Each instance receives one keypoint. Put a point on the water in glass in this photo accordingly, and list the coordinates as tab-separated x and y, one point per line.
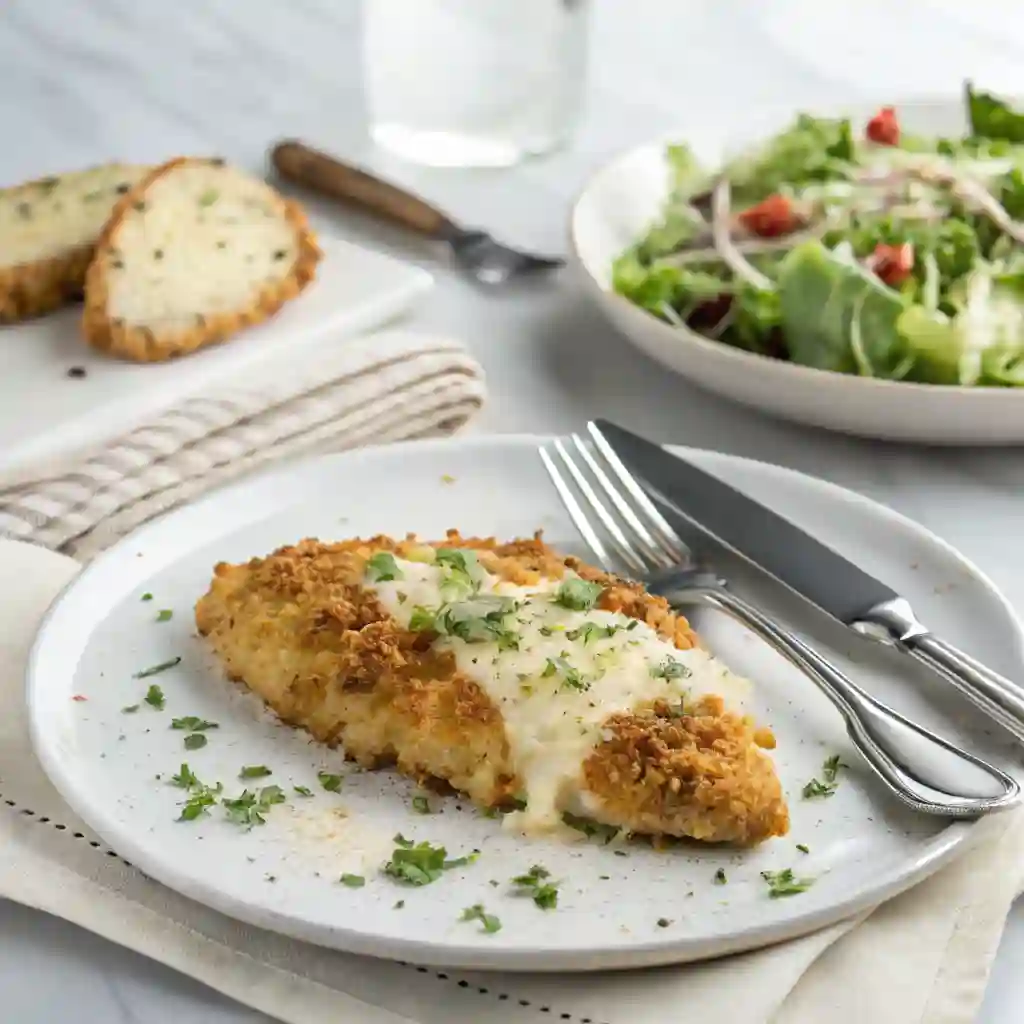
473	83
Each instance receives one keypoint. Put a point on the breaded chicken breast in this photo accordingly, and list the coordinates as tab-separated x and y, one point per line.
514	674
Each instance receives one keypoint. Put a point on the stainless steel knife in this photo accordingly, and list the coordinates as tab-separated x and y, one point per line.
813	570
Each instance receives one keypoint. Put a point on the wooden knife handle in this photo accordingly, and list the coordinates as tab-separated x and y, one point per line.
297	162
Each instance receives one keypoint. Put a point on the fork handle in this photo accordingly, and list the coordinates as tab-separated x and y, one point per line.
921	768
296	162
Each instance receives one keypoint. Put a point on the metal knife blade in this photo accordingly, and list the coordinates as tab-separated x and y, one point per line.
754	531
812	569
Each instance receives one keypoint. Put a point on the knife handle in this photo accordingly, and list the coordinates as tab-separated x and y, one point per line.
299	163
998	697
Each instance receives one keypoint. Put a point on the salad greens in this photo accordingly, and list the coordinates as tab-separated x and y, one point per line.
856	249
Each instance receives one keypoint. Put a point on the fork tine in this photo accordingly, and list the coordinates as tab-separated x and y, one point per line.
576	514
666	536
644	540
622	544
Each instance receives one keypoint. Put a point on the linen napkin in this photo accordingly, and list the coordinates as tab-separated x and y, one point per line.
921	958
382	387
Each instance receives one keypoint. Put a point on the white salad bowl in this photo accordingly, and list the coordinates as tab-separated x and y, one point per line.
621	201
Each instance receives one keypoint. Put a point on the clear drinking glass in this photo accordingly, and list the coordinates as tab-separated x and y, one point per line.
473	83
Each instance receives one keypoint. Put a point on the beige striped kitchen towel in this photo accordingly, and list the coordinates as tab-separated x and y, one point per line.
384	387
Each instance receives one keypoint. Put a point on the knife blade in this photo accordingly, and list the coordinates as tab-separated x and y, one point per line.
808	566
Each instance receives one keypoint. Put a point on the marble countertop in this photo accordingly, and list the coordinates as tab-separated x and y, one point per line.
87	82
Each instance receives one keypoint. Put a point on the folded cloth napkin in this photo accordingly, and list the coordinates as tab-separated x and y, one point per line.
921	958
383	387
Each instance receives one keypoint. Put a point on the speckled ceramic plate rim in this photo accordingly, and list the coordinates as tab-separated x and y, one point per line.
933	853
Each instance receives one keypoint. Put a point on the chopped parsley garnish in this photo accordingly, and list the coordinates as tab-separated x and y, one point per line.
578	595
209	197
782	883
146	597
803	848
591	631
197	805
421	805
477	913
670	669
423	620
332	783
591	828
185	779
421	863
461	572
191	723
155	697
570	676
825	786
249	808
352	881
382	568
398	904
154	670
129	709
663	922
533	884
303	790
164	615
254	771
480	620
720	878
195	741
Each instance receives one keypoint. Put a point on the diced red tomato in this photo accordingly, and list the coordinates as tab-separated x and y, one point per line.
892	263
884	128
771	217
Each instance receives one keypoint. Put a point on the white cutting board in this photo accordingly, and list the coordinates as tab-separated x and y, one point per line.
45	414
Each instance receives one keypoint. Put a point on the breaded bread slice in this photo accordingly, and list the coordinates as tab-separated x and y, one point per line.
48	230
306	631
197	251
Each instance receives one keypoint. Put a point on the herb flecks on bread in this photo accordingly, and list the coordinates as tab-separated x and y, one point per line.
48	232
195	252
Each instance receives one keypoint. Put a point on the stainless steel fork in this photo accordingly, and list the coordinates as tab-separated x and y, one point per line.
925	771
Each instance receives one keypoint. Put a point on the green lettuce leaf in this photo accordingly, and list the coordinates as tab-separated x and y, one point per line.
993	118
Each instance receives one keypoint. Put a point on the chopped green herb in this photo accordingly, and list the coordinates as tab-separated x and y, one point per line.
197	805
480	620
423	620
303	790
209	197
663	922
155	697
533	884
146	597
830	773
164	615
195	741
190	723
720	878
185	779
670	669
129	709
620	853
591	631
782	883
578	595
803	848
399	904
352	881
422	863
461	572
254	771
591	828
332	783
571	677
382	568
249	808
421	805
157	669
477	913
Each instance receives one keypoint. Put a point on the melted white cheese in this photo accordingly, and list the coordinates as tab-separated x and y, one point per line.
554	686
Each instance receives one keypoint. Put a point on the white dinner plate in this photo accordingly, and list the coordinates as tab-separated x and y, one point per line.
114	767
621	201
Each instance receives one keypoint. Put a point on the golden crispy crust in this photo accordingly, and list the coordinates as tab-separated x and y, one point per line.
299	629
32	289
142	344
